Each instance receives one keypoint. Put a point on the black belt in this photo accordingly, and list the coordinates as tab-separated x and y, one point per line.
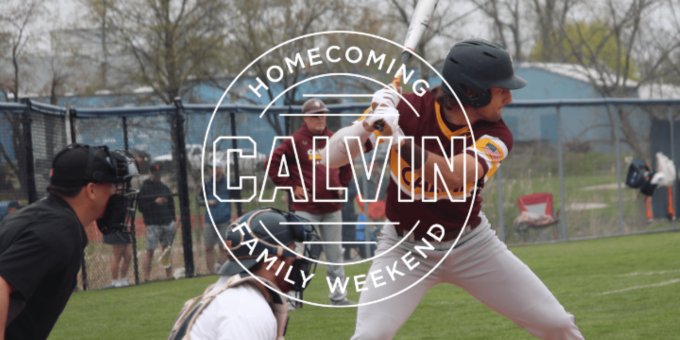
449	235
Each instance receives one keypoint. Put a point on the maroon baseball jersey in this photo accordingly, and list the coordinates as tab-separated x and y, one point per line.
303	145
429	204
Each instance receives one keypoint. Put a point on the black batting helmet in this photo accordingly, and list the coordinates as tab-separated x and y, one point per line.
478	65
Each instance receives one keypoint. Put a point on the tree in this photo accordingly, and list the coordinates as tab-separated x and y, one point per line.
440	33
259	26
171	42
506	15
16	20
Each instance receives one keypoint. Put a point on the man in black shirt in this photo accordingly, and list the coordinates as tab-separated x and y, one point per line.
157	205
41	246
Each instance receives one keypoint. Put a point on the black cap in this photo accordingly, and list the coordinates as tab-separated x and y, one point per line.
14	204
79	164
155	168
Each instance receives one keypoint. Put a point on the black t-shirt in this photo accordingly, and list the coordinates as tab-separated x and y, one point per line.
154	213
41	248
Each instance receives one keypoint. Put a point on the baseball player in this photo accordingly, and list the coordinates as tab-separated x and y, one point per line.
314	211
481	75
240	307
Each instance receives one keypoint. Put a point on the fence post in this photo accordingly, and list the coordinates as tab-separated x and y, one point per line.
500	204
672	122
28	144
133	230
183	185
239	205
618	176
560	156
72	122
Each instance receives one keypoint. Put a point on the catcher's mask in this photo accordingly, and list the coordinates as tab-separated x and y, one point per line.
79	164
258	231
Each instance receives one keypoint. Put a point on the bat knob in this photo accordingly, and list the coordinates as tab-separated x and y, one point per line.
379	125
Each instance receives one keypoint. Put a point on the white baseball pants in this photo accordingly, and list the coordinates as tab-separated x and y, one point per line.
480	264
329	232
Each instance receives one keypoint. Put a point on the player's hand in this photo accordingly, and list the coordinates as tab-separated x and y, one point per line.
212	203
161	200
389	96
385	114
299	193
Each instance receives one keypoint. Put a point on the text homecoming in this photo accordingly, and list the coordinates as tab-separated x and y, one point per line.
353	55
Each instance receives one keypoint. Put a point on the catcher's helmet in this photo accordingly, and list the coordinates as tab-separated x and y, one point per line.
79	164
478	65
265	225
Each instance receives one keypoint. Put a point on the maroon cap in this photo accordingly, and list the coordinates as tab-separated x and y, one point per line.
314	105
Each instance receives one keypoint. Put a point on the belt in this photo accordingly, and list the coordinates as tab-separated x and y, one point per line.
449	235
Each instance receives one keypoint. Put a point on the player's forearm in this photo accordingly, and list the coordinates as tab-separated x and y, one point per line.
463	170
336	154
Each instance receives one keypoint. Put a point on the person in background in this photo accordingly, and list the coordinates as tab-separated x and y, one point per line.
326	214
11	206
121	257
220	212
157	206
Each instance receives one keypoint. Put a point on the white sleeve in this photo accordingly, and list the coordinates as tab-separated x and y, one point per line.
335	154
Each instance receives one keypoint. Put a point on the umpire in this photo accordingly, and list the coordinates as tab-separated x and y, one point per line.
41	246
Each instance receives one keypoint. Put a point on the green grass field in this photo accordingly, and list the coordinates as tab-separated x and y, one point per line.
638	275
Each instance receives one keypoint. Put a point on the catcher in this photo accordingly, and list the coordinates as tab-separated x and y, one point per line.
239	306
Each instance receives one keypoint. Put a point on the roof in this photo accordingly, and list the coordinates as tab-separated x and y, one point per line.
577	72
658	91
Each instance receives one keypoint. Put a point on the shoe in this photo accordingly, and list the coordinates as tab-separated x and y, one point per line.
122	283
217	267
343	302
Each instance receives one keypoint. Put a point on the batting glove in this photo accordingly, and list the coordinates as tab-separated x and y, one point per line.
389	115
388	96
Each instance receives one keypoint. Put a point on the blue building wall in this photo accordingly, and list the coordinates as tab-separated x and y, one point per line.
580	124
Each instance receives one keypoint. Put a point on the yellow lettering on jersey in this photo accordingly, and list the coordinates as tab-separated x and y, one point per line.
412	182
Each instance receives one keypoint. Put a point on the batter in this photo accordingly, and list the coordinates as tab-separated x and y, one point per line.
481	75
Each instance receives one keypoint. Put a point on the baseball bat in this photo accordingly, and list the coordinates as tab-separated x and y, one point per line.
419	21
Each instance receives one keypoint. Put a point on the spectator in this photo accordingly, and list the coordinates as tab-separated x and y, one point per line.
121	257
41	246
221	214
14	206
9	208
157	206
315	125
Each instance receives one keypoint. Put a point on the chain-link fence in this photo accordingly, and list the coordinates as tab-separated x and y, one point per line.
568	150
